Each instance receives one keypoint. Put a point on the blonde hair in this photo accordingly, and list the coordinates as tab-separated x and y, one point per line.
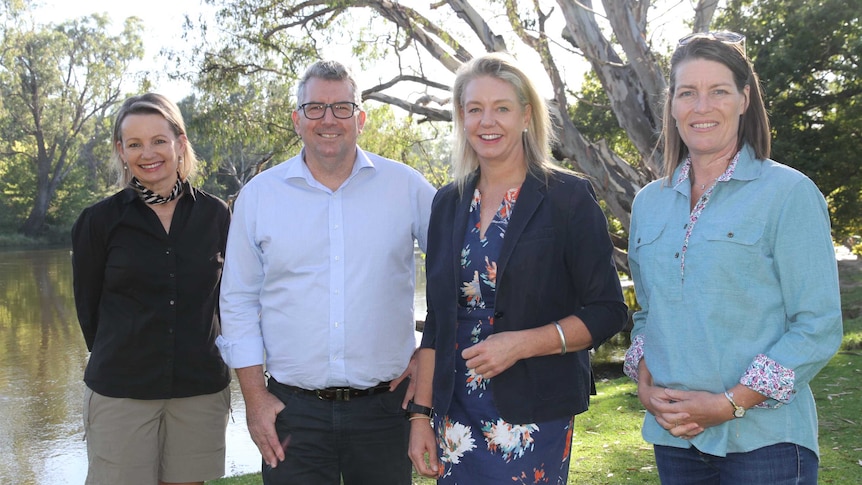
151	103
539	135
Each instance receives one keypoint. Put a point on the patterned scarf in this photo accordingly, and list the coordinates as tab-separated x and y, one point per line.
151	197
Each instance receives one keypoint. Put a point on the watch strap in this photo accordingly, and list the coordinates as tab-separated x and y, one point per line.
738	411
413	408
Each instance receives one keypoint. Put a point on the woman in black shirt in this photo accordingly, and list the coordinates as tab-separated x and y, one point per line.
147	265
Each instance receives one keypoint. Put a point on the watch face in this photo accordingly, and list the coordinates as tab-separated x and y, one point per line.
739	412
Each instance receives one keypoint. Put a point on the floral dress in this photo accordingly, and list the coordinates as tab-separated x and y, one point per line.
476	445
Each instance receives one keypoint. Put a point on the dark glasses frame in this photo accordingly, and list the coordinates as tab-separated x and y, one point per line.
316	111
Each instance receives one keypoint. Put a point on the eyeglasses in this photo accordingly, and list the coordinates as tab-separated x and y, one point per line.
723	36
316	111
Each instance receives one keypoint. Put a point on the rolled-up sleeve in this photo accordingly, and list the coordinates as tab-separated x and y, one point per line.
806	266
604	311
241	342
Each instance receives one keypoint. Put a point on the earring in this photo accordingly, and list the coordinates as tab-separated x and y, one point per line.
525	130
125	167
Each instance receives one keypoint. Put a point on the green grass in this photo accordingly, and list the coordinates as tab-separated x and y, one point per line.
607	448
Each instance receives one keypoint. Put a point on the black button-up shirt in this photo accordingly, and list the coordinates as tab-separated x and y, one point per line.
147	300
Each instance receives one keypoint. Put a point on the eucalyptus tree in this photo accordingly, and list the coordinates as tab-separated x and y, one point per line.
56	83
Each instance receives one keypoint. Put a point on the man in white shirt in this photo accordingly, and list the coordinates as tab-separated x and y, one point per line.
319	279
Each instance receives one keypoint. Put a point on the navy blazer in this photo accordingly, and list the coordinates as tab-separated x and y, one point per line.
556	261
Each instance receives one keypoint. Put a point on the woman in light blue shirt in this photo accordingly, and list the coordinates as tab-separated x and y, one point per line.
735	272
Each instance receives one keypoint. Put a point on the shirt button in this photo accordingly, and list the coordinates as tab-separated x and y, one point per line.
338	258
730	235
172	302
676	255
171	275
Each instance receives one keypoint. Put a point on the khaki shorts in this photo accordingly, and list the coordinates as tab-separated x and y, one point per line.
136	441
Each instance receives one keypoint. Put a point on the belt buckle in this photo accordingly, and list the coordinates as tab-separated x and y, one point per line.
342	394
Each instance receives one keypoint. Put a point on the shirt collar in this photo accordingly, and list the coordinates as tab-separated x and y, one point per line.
747	167
300	170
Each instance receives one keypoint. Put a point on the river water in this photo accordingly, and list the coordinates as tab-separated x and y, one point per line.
42	360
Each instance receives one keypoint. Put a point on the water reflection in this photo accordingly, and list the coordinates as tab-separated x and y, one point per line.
42	360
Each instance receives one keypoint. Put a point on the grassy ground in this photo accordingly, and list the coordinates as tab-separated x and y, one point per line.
607	447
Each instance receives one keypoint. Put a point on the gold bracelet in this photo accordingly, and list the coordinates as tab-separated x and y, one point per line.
562	337
419	417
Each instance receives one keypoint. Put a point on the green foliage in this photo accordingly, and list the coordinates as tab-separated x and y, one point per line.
57	83
423	147
808	57
239	129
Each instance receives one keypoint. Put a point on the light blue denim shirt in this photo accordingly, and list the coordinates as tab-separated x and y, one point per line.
760	280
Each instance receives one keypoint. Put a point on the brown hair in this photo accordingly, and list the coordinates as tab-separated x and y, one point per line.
329	71
753	124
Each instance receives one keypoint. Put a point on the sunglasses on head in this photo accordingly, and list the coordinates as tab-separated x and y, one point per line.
723	36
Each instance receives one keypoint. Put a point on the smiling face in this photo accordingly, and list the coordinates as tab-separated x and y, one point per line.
151	150
707	106
494	120
329	140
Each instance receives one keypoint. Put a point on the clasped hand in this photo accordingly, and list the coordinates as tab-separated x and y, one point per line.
684	414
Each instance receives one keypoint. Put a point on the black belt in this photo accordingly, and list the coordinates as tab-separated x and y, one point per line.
337	393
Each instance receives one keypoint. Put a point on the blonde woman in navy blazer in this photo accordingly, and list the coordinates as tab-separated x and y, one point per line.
504	365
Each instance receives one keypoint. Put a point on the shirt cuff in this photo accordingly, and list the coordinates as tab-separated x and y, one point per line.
238	354
771	379
634	354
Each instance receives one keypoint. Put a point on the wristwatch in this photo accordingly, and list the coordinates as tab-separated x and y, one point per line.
738	411
413	408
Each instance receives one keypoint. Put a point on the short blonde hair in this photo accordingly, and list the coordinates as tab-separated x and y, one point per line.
151	103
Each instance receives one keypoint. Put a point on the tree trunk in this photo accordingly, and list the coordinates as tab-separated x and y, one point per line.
34	224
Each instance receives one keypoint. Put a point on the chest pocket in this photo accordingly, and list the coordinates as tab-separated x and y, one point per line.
647	234
657	255
735	253
736	233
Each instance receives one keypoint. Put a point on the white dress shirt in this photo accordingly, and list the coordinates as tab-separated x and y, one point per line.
319	282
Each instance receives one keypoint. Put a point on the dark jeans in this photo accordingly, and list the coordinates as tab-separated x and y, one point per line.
780	464
362	441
